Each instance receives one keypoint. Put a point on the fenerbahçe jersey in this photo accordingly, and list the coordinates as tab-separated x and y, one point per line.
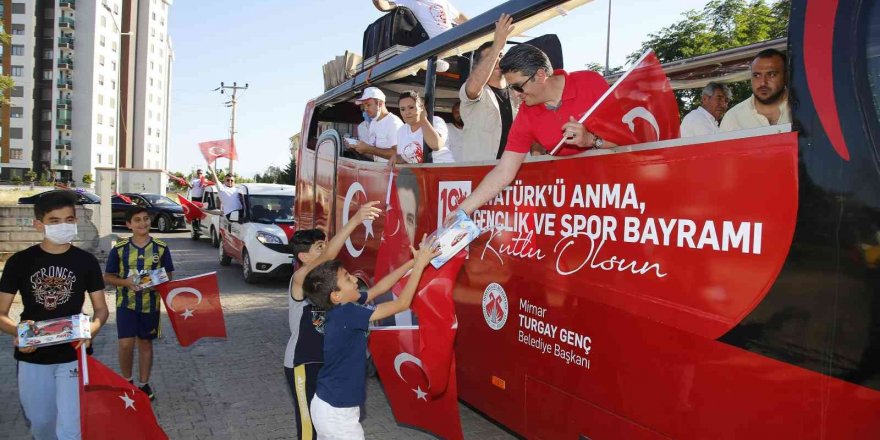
125	258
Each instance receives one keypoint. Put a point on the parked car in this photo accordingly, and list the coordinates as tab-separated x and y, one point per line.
259	235
165	214
84	197
210	225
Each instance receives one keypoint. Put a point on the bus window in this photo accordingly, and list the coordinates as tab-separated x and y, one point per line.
873	53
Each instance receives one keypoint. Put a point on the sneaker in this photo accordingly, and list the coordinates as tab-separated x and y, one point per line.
148	391
442	65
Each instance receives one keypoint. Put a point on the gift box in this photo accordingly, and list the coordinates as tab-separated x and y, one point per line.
456	233
54	331
144	279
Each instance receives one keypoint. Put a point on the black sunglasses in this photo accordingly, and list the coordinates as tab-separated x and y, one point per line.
519	87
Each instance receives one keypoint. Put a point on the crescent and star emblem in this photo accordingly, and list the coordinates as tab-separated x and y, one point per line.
187	313
349	196
403	358
643	113
217	151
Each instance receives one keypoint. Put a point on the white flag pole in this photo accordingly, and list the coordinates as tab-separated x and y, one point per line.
85	363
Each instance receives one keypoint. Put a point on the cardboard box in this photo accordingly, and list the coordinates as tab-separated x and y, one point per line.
453	236
54	331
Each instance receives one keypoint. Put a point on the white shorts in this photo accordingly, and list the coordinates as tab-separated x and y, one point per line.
336	423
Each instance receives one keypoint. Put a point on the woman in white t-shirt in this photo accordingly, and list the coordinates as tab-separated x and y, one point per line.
416	132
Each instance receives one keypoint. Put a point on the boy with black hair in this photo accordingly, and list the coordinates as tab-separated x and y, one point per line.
53	278
341	385
304	357
137	310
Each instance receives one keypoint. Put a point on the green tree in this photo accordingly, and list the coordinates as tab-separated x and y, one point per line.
31	176
288	175
6	82
88	179
722	24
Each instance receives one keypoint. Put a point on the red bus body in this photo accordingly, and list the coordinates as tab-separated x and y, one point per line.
717	289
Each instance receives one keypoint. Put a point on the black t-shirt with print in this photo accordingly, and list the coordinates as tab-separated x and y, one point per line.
51	286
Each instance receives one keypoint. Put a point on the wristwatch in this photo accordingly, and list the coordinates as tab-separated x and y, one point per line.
598	142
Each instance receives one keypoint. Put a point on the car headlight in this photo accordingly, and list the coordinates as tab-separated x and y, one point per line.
266	238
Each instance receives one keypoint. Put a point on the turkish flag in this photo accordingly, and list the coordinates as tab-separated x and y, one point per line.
394	248
193	306
640	107
124	198
112	408
213	150
191	210
405	381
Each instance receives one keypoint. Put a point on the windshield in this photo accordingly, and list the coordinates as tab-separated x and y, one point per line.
271	209
157	200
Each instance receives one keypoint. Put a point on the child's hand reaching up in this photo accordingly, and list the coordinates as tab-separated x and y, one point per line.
368	211
426	252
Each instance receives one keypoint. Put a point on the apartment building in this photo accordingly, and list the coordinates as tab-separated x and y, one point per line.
92	80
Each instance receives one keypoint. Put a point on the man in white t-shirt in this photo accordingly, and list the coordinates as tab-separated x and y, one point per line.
363	129
418	133
704	119
455	140
436	16
230	201
383	128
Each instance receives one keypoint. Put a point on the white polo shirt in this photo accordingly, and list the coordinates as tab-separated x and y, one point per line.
699	122
744	115
229	199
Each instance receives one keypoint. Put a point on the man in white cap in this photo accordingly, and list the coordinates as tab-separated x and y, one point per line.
382	144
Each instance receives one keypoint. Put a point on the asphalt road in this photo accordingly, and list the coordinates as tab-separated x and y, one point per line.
224	389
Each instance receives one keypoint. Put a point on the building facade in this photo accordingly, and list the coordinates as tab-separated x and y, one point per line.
85	86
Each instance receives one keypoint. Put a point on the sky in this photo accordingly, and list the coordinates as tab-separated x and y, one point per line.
278	47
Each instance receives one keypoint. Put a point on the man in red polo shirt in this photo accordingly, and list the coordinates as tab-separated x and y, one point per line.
552	103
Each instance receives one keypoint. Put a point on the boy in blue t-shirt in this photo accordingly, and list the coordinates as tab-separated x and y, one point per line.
342	382
137	310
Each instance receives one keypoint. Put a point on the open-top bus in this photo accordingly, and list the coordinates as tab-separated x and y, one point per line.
717	287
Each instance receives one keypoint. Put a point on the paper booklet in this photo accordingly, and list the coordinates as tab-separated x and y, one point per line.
148	278
458	232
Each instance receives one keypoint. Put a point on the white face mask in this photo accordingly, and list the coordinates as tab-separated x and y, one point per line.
62	233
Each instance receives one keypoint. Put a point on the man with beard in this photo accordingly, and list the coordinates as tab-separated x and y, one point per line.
768	104
455	141
704	119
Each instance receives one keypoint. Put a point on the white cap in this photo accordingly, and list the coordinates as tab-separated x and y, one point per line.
370	93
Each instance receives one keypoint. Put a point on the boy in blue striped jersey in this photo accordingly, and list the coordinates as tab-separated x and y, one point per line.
137	310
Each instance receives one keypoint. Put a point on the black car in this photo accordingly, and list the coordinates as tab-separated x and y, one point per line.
165	214
83	197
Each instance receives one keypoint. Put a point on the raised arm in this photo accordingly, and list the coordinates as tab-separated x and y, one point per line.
432	137
386	283
423	258
483	70
384	5
367	211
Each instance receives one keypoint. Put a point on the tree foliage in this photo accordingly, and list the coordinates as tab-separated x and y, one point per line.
6	82
721	24
274	174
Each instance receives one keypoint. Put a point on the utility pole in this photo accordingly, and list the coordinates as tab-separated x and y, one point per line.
608	42
231	103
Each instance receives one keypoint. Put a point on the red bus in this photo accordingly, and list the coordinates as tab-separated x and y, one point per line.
718	287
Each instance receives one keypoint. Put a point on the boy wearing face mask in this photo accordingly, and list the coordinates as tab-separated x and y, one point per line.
53	279
137	310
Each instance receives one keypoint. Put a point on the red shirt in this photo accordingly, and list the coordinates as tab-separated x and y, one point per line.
539	124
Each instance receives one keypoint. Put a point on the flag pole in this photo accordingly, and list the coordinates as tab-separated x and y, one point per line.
85	363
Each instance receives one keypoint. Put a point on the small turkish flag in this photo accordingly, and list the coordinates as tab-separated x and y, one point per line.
213	150
406	383
194	308
112	408
640	107
191	210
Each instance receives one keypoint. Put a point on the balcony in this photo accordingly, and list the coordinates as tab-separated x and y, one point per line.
65	63
66	23
63	104
63	124
65	42
68	4
63	144
63	164
65	84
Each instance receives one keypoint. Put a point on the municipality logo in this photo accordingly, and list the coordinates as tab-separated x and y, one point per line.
495	306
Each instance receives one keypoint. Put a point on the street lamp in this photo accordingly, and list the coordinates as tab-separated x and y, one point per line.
118	88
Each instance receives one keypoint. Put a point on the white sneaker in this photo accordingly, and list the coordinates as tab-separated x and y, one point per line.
442	65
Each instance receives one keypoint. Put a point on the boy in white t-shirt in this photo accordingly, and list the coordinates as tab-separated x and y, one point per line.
418	132
436	16
383	127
